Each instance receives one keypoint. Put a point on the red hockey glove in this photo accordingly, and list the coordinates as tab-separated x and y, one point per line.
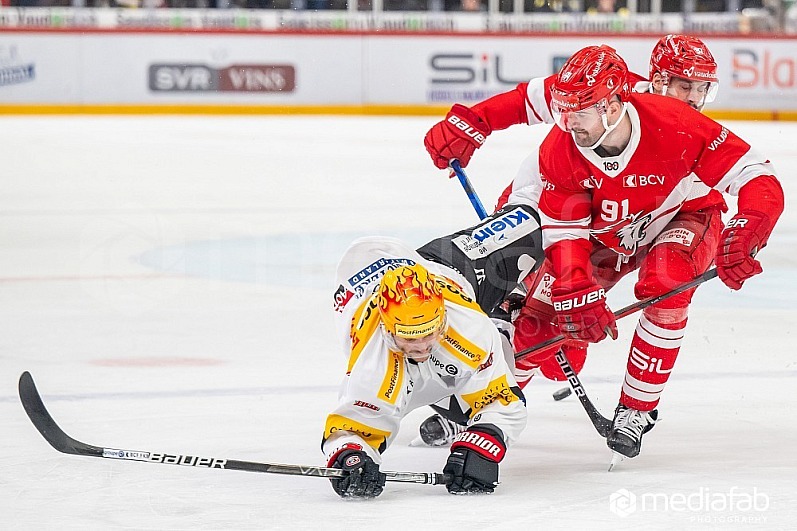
473	462
745	235
456	137
582	313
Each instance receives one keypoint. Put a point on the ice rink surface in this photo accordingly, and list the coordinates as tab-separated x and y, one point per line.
168	283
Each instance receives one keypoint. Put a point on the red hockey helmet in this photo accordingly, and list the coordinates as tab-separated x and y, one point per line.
590	77
687	58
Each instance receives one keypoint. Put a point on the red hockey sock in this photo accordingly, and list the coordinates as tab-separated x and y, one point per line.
653	351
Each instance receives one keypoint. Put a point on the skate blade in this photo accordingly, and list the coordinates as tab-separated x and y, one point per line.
617	458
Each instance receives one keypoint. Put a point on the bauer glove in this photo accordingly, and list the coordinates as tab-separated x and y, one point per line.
581	312
364	480
456	137
745	235
473	462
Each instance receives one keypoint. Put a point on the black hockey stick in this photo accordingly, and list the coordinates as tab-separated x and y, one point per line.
58	439
628	310
601	423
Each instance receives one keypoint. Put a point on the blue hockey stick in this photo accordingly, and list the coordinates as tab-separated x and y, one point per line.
465	182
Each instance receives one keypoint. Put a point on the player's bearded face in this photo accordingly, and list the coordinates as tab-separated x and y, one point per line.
585	125
418	348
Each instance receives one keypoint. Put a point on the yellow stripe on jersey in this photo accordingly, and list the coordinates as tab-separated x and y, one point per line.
373	436
394	377
453	293
364	323
462	348
496	390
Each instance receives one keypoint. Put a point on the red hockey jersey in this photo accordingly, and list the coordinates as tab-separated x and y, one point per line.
625	201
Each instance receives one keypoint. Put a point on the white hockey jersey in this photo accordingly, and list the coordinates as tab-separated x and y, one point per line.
381	385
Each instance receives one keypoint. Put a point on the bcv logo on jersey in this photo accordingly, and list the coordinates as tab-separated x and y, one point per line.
638	181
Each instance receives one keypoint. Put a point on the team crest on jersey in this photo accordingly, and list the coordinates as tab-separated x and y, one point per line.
628	233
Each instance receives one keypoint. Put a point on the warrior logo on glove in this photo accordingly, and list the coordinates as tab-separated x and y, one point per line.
353	460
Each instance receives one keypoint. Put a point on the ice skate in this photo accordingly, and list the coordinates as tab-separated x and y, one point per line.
628	427
437	431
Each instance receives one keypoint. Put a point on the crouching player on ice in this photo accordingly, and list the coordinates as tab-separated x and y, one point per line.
414	334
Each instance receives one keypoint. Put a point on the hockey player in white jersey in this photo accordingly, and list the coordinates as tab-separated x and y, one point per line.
414	334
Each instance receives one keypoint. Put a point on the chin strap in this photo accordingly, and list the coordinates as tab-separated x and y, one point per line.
608	128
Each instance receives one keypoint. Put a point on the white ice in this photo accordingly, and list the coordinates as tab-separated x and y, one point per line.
168	283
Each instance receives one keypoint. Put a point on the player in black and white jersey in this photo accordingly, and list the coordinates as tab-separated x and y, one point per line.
414	334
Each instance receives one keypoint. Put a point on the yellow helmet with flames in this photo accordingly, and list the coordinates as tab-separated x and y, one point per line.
411	302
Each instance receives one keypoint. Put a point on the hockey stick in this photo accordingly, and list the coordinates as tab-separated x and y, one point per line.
628	310
601	423
58	439
465	182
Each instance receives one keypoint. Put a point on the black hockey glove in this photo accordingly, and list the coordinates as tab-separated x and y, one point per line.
364	480
473	463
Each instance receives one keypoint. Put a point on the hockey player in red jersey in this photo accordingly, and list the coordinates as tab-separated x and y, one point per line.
681	67
624	188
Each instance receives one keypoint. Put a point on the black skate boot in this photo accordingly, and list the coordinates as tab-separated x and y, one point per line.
628	427
437	431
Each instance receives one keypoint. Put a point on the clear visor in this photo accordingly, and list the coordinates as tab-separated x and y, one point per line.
694	92
416	348
585	119
711	91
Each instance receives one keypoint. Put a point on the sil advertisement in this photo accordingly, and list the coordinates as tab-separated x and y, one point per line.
272	69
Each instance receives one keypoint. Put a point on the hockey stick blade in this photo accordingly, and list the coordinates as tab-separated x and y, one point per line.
601	423
58	439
